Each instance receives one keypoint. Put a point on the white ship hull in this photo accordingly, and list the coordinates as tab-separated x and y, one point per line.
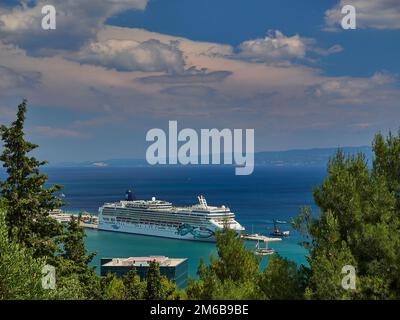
161	219
158	231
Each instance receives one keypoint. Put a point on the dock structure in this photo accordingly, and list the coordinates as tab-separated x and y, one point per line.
259	237
175	269
89	225
88	221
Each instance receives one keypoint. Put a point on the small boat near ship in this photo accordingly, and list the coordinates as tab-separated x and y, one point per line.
258	237
277	232
263	251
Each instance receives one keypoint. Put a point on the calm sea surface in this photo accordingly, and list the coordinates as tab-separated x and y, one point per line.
269	193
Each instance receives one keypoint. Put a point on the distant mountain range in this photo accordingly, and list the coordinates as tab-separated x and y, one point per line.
307	157
317	157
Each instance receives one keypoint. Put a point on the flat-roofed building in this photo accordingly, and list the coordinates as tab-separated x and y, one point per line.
175	269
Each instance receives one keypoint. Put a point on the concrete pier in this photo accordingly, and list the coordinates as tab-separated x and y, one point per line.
88	221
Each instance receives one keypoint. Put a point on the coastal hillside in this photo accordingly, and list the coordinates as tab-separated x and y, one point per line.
316	157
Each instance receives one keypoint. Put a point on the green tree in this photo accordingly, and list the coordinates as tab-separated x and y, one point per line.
20	273
282	280
74	245
75	261
232	275
28	201
359	225
234	261
387	161
169	290
134	287
154	286
112	287
34	234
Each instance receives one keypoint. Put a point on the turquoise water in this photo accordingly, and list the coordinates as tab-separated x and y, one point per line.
111	244
267	194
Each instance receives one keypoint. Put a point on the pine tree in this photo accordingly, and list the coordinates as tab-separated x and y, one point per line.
20	273
28	201
282	280
74	245
112	287
134	287
154	286
30	229
387	161
232	275
359	225
74	261
234	262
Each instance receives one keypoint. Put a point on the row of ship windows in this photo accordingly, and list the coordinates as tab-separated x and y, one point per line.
147	221
160	223
156	223
130	211
163	216
191	219
145	217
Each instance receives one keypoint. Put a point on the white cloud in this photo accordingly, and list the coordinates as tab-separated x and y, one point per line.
326	52
348	90
276	47
223	90
226	83
374	14
190	76
19	18
11	78
54	132
77	22
127	49
129	55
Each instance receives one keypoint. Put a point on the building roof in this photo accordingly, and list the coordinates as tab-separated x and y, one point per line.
144	261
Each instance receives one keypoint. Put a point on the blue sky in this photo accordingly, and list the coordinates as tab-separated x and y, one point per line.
111	71
234	21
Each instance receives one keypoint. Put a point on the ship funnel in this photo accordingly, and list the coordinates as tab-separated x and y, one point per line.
129	196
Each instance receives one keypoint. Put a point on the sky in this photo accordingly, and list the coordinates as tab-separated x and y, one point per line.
114	69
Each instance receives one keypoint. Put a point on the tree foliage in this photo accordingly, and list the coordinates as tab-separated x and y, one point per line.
30	238
232	275
282	280
20	273
159	287
135	288
359	225
74	245
28	201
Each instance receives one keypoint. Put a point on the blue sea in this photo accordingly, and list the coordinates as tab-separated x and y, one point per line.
269	193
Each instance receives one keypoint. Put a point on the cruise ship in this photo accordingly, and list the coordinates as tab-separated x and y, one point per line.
162	219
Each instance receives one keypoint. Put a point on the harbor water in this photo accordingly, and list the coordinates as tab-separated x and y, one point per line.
269	193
